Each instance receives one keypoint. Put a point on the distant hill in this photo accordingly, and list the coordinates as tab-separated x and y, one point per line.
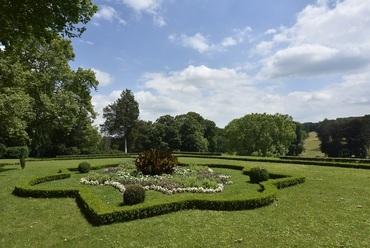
312	146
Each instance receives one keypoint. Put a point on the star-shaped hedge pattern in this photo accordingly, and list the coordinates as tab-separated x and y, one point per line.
100	213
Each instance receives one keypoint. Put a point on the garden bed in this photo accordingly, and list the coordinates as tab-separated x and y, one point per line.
101	210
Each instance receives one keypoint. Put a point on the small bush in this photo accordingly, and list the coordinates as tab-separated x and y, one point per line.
84	167
16	152
134	194
258	174
156	161
2	150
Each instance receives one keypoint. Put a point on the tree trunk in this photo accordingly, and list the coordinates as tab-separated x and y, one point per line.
125	145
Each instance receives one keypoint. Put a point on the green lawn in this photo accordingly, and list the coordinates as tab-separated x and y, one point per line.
312	146
331	209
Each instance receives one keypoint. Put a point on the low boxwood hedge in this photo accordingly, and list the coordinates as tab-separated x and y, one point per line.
99	213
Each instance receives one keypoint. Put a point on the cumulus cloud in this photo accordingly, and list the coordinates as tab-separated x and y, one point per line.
348	97
100	101
228	41
151	7
197	42
326	39
217	94
108	13
202	44
104	78
224	94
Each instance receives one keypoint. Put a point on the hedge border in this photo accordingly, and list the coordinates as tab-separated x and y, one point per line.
304	161
99	213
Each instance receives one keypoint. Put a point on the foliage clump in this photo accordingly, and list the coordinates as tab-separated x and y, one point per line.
84	167
134	194
258	174
156	161
23	155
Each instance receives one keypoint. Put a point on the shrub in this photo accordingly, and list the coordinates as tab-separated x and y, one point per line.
84	167
23	155
258	174
134	194
156	161
2	150
16	151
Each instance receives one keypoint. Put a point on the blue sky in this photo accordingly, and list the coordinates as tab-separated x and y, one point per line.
224	59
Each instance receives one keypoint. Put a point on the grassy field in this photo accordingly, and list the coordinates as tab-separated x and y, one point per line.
331	209
312	146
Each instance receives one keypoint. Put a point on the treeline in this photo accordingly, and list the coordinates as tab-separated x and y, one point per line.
254	134
345	137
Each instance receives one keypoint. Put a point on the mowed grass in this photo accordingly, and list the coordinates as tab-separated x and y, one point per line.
331	209
312	146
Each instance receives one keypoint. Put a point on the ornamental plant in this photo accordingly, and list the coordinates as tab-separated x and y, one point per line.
156	161
134	194
258	174
84	167
22	157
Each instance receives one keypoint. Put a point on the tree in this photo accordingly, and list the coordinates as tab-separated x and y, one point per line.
296	147
164	133
22	20
121	116
260	135
15	114
51	101
345	137
191	132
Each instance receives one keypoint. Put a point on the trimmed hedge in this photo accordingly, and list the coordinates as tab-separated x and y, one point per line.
28	188
307	161
99	213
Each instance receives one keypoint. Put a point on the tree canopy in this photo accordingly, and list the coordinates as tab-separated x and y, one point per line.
51	106
345	137
260	135
22	20
121	116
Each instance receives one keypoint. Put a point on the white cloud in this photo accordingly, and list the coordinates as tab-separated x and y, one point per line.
104	78
326	39
228	41
202	44
270	31
224	94
349	97
197	42
109	14
217	94
101	101
151	7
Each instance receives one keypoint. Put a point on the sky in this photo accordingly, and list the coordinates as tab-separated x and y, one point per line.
224	59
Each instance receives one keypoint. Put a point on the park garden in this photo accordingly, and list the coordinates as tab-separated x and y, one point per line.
301	204
262	181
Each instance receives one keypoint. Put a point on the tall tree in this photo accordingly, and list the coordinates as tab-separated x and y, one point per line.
260	134
345	137
164	133
191	131
22	20
56	100
121	116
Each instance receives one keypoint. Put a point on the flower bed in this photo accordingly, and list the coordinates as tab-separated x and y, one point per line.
193	178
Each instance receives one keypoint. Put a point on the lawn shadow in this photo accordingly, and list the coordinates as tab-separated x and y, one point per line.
7	169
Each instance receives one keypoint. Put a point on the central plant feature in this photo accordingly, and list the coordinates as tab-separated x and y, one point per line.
192	178
156	161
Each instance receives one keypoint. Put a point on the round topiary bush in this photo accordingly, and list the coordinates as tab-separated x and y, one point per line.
134	194
84	167
258	174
